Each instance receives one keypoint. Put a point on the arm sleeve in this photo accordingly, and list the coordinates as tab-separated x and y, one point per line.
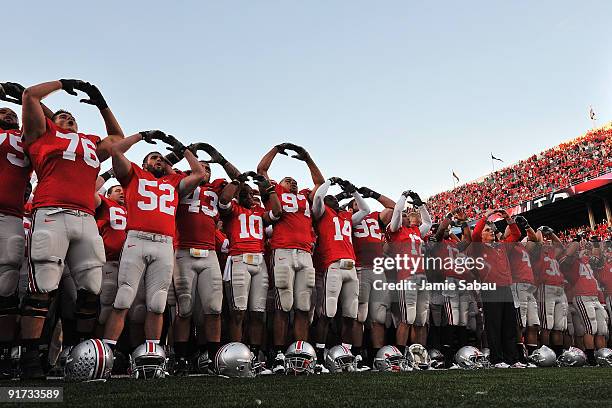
318	206
364	209
425	220
396	218
477	233
515	233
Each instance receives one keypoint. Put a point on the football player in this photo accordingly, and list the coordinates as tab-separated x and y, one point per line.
335	251
246	272
64	230
604	276
292	243
151	194
456	301
576	266
552	302
524	289
111	218
198	274
405	232
14	176
368	241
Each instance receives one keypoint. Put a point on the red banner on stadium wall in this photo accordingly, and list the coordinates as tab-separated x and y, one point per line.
561	194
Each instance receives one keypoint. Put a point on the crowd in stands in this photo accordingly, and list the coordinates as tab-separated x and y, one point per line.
569	163
602	230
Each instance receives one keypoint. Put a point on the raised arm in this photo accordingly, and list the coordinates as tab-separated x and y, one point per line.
189	183
266	161
33	114
121	165
318	203
396	218
425	220
363	207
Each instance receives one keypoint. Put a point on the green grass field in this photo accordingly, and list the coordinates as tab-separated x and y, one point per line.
557	387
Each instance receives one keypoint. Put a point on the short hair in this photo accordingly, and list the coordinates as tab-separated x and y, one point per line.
149	154
59	112
111	188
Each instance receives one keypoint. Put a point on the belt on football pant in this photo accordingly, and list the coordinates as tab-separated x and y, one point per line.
149	236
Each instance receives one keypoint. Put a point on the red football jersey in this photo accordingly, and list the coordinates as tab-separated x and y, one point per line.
245	229
580	275
520	263
547	270
294	229
151	202
368	240
605	277
407	241
111	218
334	230
14	173
67	167
449	249
197	215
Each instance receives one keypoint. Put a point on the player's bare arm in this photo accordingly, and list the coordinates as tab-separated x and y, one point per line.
189	183
229	192
33	114
268	191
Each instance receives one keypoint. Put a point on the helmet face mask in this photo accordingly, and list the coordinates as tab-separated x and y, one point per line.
604	357
340	359
573	357
148	361
436	358
419	357
89	360
300	358
389	358
470	358
544	357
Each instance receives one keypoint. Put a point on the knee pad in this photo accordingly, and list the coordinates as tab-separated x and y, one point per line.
350	310
378	313
362	312
282	273
86	305
9	305
185	305
285	297
9	279
158	302
89	279
36	305
331	306
310	276
41	249
303	299
125	297
137	313
13	253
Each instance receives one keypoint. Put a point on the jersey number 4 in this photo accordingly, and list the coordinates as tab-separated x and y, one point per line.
195	204
343	229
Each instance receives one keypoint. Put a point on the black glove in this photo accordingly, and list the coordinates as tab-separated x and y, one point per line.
242	178
95	96
215	156
300	152
281	148
546	230
416	200
108	174
368	193
522	222
11	92
262	183
69	85
175	145
150	136
342	196
348	187
336	180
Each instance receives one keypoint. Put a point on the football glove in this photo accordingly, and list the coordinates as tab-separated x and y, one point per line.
11	92
69	85
368	193
150	136
95	97
521	222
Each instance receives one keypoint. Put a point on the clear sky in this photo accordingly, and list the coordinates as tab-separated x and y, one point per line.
389	94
